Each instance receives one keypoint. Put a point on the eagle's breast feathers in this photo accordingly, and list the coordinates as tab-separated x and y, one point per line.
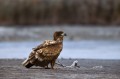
47	51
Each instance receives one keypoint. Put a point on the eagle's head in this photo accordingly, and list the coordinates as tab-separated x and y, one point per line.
59	35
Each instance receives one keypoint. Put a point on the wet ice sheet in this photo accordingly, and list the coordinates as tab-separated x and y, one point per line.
72	49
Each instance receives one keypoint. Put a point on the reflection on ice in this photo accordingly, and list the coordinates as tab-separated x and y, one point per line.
72	49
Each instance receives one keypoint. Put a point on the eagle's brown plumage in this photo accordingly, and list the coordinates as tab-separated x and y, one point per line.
47	52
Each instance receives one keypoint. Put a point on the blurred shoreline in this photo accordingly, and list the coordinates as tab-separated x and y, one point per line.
75	33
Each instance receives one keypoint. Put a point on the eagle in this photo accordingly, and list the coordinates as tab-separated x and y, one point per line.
46	53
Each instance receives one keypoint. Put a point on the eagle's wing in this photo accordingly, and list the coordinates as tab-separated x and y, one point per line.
46	43
48	50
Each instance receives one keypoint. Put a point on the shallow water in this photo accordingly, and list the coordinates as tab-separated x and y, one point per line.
87	49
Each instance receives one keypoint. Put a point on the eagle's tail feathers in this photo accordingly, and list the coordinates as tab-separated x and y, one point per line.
27	63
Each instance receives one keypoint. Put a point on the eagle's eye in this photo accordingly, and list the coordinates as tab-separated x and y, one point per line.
64	34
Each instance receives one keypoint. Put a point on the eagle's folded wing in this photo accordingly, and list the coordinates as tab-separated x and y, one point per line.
32	55
48	50
45	44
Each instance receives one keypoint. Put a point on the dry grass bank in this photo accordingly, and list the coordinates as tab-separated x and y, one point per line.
25	12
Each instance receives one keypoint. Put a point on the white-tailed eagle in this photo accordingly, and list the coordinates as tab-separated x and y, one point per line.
47	52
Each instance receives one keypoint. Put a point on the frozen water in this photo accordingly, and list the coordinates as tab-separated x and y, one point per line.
87	49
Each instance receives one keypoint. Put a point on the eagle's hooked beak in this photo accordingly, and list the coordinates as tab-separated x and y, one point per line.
64	34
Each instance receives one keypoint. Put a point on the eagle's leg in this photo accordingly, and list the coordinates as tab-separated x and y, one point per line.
52	64
46	67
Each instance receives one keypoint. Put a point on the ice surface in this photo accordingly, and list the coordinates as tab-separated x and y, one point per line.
72	49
